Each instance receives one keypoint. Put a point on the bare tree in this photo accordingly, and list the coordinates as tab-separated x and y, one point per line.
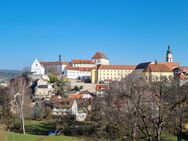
128	106
178	101
160	99
21	92
141	109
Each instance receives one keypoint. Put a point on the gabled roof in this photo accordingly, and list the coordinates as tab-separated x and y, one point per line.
157	68
99	55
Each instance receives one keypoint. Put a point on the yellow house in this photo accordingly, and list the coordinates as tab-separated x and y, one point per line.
103	73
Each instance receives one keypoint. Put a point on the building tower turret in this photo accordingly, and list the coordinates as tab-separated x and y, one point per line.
59	58
169	56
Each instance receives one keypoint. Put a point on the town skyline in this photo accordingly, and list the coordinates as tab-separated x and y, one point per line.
128	32
56	59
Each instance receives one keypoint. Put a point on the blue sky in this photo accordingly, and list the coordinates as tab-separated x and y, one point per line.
127	31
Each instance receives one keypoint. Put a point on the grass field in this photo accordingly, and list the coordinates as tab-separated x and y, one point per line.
37	131
20	137
169	138
36	127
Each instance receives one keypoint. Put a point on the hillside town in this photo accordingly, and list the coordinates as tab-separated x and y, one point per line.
81	91
86	79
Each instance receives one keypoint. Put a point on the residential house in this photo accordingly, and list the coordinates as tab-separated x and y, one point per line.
182	74
65	106
43	89
101	90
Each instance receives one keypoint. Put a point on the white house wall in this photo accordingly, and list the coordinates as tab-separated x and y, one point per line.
37	68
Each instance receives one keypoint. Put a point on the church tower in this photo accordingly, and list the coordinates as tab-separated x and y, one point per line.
169	57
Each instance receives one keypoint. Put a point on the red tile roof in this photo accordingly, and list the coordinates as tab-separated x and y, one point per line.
99	55
183	69
117	67
157	68
54	63
61	101
102	87
84	69
79	68
183	77
72	68
76	61
75	96
171	65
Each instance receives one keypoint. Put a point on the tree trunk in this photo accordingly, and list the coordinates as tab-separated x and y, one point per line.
179	130
159	134
22	118
179	135
134	131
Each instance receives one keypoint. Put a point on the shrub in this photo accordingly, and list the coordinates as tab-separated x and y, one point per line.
112	132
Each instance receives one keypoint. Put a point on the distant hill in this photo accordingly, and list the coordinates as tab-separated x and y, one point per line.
9	74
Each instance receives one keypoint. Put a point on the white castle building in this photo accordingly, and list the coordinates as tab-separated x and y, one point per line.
75	69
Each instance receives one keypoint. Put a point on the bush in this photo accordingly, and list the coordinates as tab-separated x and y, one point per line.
80	129
76	88
112	132
81	87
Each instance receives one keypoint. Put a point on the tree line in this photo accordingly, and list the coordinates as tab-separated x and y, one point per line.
135	109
